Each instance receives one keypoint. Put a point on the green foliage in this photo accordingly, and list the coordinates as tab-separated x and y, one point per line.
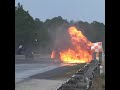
25	26
27	30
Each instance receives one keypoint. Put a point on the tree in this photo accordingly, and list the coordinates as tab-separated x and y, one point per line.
37	34
25	27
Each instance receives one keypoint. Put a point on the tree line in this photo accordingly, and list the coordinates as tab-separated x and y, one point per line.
38	36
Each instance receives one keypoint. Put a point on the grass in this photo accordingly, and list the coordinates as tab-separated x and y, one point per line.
72	70
99	83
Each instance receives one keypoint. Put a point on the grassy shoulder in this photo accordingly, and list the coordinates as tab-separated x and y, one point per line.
99	83
72	70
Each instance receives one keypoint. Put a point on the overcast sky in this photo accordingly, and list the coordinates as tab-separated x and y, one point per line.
84	10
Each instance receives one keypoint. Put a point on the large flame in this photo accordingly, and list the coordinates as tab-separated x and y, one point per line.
81	51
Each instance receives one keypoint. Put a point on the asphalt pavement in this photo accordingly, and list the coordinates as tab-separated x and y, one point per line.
38	74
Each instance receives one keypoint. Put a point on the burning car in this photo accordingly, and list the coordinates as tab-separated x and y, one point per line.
79	50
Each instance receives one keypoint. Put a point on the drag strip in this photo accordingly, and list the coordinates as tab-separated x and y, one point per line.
23	71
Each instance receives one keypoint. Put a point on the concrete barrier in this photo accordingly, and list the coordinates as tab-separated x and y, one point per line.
36	56
22	57
82	79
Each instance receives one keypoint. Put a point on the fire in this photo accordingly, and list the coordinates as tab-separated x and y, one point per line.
81	51
53	54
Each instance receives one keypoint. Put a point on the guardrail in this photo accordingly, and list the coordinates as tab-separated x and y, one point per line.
20	57
82	79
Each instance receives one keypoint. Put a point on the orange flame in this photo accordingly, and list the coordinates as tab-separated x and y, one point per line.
53	54
81	53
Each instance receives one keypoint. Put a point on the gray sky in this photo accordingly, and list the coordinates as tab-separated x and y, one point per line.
84	10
